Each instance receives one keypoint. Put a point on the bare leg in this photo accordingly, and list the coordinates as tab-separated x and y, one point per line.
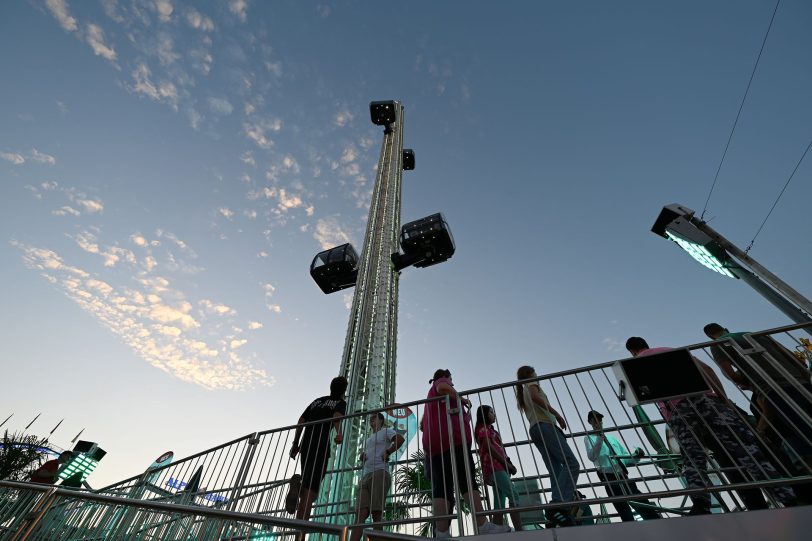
440	507
475	500
358	530
377	516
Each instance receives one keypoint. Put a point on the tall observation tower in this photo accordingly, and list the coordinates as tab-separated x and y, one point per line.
369	358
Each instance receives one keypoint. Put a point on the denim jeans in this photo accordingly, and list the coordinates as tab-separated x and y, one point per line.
559	460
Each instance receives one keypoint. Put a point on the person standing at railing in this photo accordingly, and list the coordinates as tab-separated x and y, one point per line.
444	442
376	479
496	465
611	458
48	472
709	421
551	442
315	447
777	418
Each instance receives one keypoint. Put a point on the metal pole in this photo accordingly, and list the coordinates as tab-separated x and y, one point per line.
789	309
759	270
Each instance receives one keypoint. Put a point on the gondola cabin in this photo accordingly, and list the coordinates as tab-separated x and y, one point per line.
408	159
335	269
428	240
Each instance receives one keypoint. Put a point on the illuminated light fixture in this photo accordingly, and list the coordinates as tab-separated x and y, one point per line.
86	456
80	465
675	223
701	254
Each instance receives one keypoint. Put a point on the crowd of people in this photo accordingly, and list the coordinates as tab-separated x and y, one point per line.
699	423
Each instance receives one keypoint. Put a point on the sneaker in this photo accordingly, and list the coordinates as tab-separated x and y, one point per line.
292	499
490	527
440	534
699	509
559	519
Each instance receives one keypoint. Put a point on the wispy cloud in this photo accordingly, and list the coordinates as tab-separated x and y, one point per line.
41	157
329	233
239	8
217	308
199	21
257	131
613	345
95	38
269	292
221	106
59	9
164	91
254	325
164	9
13	157
342	118
164	333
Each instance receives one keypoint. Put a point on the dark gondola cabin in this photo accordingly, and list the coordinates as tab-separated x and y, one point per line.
382	113
408	159
335	269
427	239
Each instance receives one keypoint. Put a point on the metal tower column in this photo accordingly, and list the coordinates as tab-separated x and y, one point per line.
369	355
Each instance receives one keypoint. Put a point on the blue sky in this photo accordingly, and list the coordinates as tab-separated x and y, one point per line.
169	169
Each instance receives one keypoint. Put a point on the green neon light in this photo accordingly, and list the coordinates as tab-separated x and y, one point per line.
701	254
80	463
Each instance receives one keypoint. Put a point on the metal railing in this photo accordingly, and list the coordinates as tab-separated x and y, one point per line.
250	476
64	514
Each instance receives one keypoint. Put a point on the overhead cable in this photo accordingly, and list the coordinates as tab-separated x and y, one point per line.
741	106
797	165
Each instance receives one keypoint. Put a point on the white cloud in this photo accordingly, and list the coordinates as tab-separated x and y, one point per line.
41	157
165	49
221	106
289	202
217	308
164	335
164	9
91	205
111	10
164	91
65	210
59	9
256	131
95	38
248	158
226	212
254	325
138	239
342	118
350	154
199	21
269	292
13	157
49	185
239	8
87	242
613	345
329	233
234	344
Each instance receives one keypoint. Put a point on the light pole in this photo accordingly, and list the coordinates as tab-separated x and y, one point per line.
680	224
369	358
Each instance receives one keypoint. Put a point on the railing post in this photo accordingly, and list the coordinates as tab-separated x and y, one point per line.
242	474
40	509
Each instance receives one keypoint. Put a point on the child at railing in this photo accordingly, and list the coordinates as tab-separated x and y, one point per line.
496	465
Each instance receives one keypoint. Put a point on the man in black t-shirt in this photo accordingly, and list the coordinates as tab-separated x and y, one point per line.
315	447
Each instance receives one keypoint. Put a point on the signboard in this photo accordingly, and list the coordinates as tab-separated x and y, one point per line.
404	422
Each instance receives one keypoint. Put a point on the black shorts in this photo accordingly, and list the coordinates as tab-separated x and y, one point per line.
441	473
314	466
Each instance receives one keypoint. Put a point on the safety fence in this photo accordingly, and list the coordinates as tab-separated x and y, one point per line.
746	448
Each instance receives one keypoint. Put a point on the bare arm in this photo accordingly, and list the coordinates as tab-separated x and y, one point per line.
593	446
535	396
713	379
294	448
339	437
446	389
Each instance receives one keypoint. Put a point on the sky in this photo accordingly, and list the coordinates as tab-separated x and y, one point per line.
169	169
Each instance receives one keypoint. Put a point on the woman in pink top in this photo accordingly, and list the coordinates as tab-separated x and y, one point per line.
444	441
